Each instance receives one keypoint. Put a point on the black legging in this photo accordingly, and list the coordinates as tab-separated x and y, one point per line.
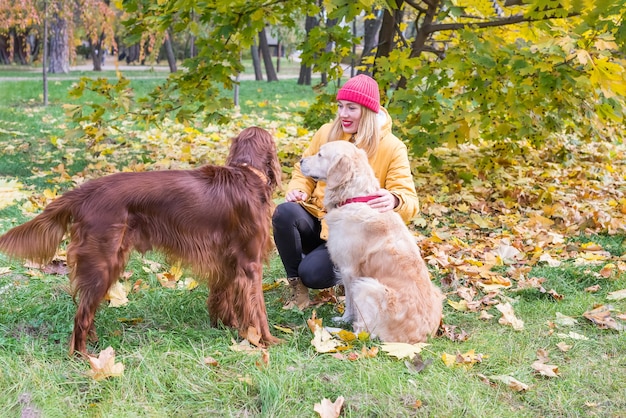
302	251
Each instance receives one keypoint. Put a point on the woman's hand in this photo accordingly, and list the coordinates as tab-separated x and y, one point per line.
296	196
384	202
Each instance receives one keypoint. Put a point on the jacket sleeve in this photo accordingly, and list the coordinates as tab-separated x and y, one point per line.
298	180
399	182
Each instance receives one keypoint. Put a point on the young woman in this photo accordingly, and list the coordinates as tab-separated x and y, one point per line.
300	232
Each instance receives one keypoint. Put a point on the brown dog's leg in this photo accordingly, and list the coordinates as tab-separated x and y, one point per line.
96	262
220	305
250	303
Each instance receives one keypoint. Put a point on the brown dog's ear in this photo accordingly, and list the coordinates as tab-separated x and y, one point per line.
339	172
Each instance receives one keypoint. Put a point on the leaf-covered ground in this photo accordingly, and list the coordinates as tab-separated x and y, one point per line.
500	230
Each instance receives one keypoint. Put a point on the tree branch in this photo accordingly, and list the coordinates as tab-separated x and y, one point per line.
415	5
492	23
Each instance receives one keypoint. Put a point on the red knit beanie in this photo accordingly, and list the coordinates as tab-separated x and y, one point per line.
363	90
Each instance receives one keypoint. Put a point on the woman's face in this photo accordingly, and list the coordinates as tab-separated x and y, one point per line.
350	115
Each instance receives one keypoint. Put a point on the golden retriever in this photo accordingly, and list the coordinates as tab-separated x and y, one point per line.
389	292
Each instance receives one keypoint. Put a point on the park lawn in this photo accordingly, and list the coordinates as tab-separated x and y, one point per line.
175	364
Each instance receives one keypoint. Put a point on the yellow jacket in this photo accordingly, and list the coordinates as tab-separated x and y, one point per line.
390	164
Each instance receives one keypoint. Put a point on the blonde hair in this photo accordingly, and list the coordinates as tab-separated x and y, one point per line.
367	136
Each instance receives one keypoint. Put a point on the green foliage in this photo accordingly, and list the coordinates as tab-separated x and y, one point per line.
457	72
319	112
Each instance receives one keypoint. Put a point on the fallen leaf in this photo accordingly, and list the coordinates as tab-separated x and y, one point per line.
210	361
592	289
459	306
573	336
328	409
563	347
369	352
617	295
565	320
284	329
508	316
467	359
264	360
187	284
10	191
511	382
450	332
323	341
547	258
601	317
244	346
346	336
547	370
401	350
253	336
416	365
117	295
485	316
608	270
104	365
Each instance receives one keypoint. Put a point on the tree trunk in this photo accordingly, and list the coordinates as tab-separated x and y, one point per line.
304	79
387	34
59	46
97	54
256	62
370	38
329	46
267	56
169	52
417	47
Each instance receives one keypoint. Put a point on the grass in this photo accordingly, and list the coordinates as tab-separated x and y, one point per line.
162	336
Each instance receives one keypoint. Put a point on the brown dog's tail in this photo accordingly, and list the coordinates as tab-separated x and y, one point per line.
38	239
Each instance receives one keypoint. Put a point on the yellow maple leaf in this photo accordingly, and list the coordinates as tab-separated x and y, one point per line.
117	295
459	306
401	350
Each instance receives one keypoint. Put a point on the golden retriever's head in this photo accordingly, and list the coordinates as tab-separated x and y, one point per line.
345	169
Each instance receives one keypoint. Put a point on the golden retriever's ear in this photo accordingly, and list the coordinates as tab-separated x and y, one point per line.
339	172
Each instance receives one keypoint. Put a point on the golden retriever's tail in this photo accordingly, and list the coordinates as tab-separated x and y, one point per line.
38	239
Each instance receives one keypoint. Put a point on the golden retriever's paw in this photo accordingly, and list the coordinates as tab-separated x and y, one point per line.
346	319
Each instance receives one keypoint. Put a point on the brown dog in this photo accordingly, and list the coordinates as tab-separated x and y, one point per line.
215	219
388	288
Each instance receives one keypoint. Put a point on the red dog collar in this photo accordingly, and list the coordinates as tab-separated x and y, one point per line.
359	199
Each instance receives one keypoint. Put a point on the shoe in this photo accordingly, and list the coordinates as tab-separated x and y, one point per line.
299	297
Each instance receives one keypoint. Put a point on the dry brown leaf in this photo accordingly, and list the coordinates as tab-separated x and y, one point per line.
565	320
601	317
254	336
617	295
104	366
328	409
563	347
244	346
210	361
485	316
508	316
264	360
547	370
511	382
